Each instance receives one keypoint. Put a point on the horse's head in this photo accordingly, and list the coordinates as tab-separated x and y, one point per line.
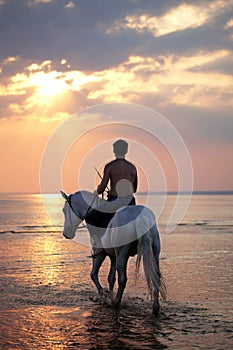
72	221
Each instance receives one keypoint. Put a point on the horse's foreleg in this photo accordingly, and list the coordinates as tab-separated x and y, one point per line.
96	264
121	267
112	274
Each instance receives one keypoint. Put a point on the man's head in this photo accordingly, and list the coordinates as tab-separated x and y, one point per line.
120	148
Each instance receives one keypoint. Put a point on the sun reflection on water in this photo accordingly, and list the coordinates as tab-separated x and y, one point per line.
51	256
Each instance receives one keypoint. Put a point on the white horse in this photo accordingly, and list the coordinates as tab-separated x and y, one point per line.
122	232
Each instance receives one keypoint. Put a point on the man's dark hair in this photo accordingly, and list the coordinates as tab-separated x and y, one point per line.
120	147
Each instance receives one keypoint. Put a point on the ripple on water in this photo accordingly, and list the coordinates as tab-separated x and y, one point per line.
79	323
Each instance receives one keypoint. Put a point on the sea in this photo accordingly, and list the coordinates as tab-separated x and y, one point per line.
48	301
206	213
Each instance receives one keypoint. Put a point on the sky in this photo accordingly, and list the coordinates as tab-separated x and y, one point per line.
59	58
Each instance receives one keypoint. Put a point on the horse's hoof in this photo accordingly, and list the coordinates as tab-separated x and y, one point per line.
115	305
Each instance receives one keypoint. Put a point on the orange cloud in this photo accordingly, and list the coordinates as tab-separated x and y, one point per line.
47	94
42	91
163	75
182	17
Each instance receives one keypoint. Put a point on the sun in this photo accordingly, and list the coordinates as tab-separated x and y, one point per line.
48	84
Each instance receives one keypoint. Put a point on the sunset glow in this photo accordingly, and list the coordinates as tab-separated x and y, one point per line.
48	84
173	58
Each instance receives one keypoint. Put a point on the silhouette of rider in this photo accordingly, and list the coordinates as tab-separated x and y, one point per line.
121	173
123	179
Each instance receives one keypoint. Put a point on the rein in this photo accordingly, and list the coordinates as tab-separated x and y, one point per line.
88	209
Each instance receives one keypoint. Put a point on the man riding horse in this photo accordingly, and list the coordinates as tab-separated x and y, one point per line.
122	175
121	233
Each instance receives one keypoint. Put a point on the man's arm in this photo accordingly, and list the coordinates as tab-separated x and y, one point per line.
135	183
101	187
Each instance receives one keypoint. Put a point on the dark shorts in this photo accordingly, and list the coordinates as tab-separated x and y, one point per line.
111	198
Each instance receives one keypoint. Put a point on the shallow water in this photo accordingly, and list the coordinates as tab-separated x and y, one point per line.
89	326
47	298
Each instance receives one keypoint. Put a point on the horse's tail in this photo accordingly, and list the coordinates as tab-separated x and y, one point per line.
148	249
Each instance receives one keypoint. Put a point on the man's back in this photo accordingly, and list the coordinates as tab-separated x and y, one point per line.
123	182
123	177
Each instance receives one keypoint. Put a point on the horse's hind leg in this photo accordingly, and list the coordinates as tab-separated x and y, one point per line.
112	274
121	267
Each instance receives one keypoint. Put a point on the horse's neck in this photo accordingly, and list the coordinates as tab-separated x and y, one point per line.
83	200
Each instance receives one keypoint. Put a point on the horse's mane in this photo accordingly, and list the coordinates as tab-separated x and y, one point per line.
80	201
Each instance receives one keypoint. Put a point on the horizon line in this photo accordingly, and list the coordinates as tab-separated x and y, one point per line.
195	192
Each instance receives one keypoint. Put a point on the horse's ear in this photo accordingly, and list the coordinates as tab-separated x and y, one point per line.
64	195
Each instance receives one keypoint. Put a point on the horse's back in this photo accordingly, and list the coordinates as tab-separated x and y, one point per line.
129	224
131	213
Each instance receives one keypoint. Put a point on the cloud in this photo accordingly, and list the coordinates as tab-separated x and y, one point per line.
229	24
40	89
49	88
69	59
79	31
70	5
171	75
31	2
221	65
180	18
176	19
